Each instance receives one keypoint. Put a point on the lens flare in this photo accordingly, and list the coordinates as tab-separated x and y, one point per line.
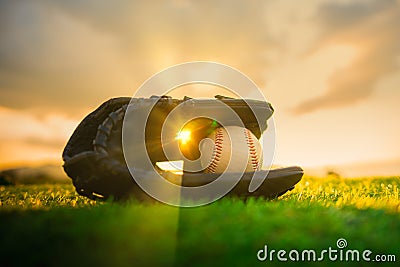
183	136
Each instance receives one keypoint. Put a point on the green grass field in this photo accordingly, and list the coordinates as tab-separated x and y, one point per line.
50	225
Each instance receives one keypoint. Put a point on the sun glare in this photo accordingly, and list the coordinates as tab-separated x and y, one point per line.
183	136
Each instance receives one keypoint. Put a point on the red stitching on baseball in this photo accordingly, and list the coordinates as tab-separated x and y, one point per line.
252	150
216	157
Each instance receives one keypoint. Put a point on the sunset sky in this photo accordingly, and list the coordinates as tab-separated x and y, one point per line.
331	69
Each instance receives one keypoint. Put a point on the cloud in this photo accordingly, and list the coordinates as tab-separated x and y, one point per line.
337	15
371	27
50	127
51	61
27	136
71	55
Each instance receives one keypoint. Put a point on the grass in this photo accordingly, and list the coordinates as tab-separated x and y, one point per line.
50	225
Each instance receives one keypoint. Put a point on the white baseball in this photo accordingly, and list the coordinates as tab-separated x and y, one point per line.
231	149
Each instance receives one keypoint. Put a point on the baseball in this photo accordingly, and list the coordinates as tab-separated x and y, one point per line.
231	149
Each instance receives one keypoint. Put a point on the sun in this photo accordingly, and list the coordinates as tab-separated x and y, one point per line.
183	136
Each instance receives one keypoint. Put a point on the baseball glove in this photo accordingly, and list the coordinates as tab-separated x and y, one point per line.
94	159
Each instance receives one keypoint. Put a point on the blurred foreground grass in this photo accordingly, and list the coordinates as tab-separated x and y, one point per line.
50	225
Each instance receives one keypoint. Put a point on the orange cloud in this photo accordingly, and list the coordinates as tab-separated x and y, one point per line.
27	137
371	28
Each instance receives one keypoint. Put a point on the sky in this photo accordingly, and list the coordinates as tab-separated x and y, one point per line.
331	69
